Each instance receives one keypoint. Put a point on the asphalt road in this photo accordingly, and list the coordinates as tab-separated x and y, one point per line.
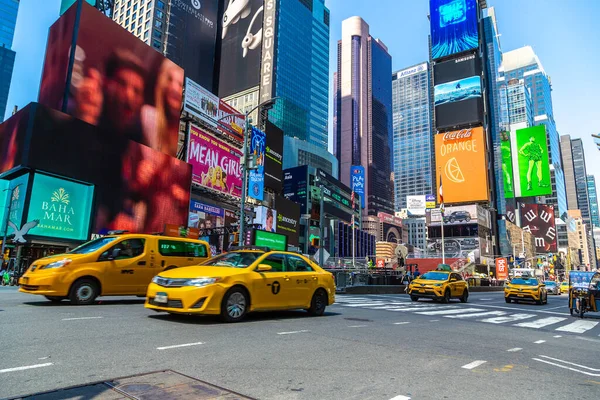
366	347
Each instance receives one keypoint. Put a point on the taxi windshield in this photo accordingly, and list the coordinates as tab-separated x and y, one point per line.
434	276
550	283
527	282
92	246
233	260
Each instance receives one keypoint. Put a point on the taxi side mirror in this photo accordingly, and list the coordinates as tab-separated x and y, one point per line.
264	268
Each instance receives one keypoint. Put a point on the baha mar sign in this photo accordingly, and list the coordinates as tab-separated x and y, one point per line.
62	207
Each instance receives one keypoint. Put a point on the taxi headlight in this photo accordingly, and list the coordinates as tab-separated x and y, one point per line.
57	264
438	284
155	279
199	282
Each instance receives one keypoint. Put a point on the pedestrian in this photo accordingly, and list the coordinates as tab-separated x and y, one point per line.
417	273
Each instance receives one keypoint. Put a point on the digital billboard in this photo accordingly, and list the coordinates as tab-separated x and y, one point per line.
462	165
192	38
215	164
274	157
357	179
454	27
12	138
117	82
458	68
61	208
65	4
454	215
231	122
458	102
256	181
205	216
531	165
137	188
296	185
454	247
241	46
265	217
539	220
201	103
288	219
416	205
507	165
273	241
12	198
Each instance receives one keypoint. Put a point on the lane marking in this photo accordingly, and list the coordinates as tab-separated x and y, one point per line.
539	341
364	304
578	327
481	314
454	311
515	349
401	323
433	320
179	345
557	336
409	309
508	318
484	299
75	319
473	364
292	332
540	323
570	363
565	367
400	398
554	308
357	326
523	309
2	371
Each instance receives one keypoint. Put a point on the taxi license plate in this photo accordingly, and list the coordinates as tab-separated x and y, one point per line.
160	298
520	295
422	291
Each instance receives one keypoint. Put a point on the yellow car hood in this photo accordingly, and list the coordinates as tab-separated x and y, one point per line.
523	287
59	257
426	282
200	271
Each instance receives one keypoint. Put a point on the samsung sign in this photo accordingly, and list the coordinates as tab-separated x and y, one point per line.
412	71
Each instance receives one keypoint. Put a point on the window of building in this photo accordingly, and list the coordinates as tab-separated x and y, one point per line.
134	16
139	30
128	13
158	24
157	34
146	34
160	5
135	6
127	22
156	44
147	25
159	14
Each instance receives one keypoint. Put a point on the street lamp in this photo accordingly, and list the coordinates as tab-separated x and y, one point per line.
246	115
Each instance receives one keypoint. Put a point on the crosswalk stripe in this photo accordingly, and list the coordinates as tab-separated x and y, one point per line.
507	318
540	323
363	305
419	308
578	327
481	314
446	311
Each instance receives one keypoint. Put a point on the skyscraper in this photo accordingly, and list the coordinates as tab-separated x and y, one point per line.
593	196
413	135
567	158
524	64
519	103
581	185
363	128
8	11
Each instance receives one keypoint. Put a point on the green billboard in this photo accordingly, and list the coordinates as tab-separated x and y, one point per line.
66	4
12	197
271	240
61	208
530	162
507	165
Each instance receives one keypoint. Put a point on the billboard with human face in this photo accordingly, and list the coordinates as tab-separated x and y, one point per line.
539	220
258	148
507	165
241	46
192	38
462	165
265	217
215	164
59	208
201	103
454	27
531	162
117	82
205	217
458	103
274	157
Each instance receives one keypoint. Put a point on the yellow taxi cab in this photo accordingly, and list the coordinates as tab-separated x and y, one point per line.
526	288
439	285
564	287
113	265
244	280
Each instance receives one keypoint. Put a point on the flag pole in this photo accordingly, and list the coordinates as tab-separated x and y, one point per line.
442	223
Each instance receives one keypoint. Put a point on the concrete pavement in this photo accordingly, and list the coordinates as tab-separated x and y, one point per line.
359	350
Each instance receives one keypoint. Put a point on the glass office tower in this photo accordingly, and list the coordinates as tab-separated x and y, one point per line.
413	136
593	196
8	21
524	64
302	71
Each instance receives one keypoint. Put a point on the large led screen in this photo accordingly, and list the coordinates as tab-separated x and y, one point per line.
59	208
461	165
455	69
530	162
507	165
458	103
12	137
274	157
241	46
539	220
192	38
215	164
118	83
454	27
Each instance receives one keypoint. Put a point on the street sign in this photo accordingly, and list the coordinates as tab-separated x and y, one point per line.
325	254
380	263
501	268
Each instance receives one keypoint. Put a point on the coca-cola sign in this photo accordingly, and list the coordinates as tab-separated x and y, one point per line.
456	135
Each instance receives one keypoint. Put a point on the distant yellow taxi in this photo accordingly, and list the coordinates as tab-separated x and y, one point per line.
564	287
439	285
242	281
526	288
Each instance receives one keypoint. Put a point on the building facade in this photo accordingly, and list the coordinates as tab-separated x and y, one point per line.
581	184
299	152
413	134
593	197
520	105
147	20
363	117
567	157
8	21
524	64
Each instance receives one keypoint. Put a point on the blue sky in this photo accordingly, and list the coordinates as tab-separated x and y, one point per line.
564	34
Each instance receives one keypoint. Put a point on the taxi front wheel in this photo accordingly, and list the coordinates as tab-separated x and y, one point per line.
83	292
318	303
234	305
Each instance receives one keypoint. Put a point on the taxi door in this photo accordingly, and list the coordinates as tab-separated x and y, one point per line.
304	280
272	289
126	269
457	285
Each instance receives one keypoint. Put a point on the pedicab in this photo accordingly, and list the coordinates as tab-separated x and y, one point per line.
584	292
